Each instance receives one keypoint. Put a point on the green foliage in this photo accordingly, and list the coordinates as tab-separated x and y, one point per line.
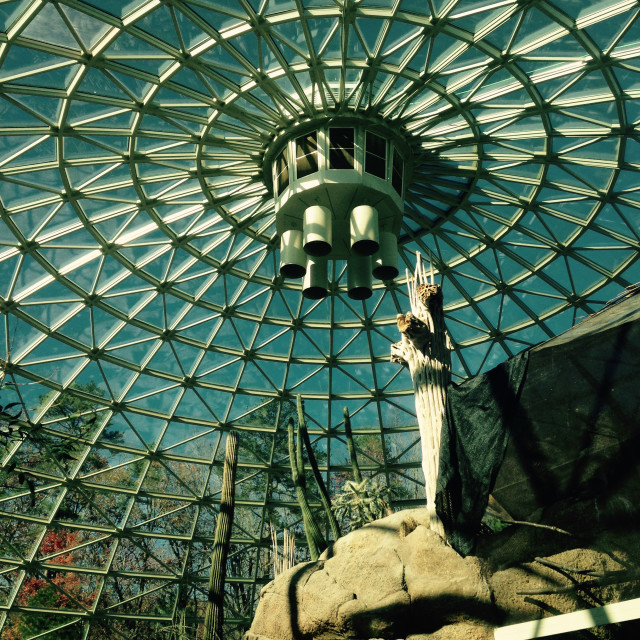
493	523
68	428
55	444
11	427
75	414
30	625
51	446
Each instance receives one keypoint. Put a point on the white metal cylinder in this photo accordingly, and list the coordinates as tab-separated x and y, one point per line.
314	285
359	277
293	260
385	261
317	229
364	230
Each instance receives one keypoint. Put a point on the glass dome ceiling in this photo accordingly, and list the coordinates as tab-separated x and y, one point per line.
139	256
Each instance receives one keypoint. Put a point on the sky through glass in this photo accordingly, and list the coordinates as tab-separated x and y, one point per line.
139	258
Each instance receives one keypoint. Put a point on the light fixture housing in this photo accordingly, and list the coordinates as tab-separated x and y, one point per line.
340	181
359	277
363	230
317	231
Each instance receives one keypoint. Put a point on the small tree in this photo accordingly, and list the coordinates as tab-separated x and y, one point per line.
29	445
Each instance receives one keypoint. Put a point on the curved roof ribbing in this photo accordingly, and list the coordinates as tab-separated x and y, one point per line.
138	256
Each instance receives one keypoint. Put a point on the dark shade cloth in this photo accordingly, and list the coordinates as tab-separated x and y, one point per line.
543	426
578	431
475	431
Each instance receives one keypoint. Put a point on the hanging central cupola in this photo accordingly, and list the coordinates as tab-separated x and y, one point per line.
338	188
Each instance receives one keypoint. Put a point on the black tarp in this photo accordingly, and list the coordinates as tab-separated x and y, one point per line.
474	437
558	420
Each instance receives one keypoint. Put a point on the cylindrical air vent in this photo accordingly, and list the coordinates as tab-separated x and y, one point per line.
385	262
364	230
317	230
292	257
359	277
314	285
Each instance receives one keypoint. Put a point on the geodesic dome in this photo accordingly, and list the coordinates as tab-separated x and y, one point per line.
143	316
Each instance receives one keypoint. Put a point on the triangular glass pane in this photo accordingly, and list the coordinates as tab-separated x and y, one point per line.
88	29
48	26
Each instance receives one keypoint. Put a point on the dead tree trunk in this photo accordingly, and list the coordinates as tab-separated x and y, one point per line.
424	349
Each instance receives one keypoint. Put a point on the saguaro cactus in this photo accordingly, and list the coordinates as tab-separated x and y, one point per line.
322	489
214	615
424	349
357	476
316	542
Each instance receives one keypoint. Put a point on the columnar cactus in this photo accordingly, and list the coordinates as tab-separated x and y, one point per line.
322	489
214	615
316	542
357	476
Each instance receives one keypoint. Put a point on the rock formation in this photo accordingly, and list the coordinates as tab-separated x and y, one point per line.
390	579
396	578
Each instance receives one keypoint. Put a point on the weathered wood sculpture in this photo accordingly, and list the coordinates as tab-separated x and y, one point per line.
424	349
214	615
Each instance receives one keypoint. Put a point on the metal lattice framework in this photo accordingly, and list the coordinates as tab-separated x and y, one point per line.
138	253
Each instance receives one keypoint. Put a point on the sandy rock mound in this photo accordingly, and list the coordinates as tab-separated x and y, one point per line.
390	579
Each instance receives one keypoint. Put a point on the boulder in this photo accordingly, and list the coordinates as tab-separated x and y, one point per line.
393	578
